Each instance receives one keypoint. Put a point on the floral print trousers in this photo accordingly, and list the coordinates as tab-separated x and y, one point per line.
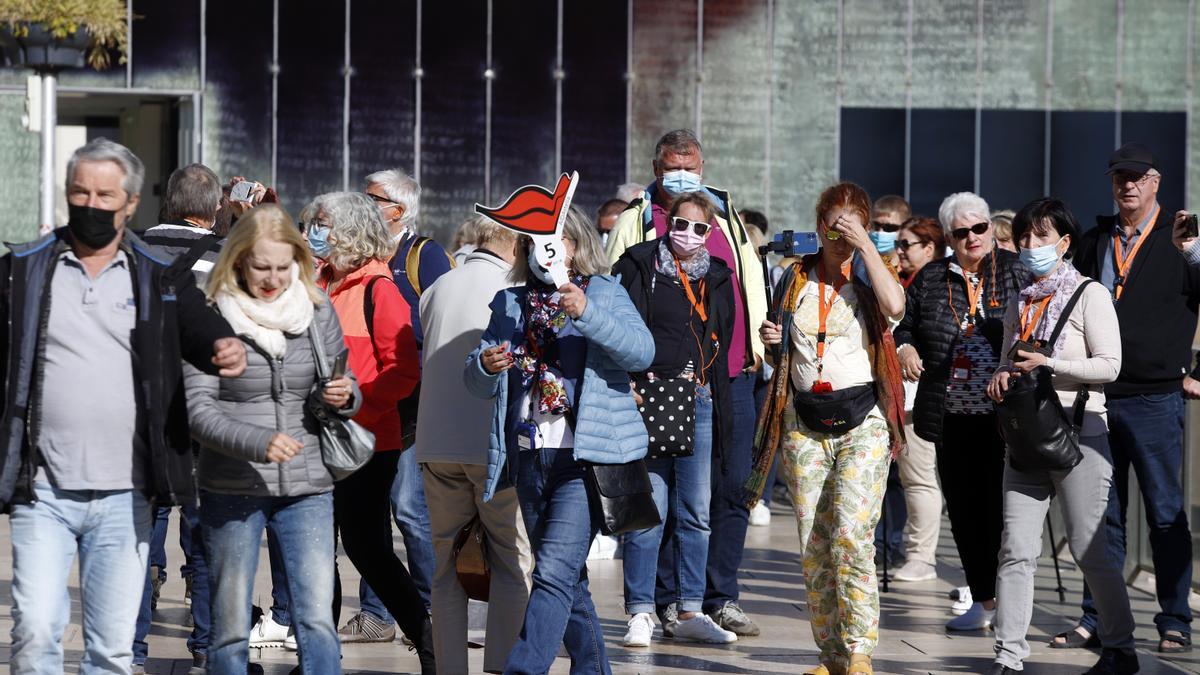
837	484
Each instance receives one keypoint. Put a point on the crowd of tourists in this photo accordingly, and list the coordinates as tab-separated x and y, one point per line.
220	360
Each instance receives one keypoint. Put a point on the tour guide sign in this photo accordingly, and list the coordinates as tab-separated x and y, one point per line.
535	211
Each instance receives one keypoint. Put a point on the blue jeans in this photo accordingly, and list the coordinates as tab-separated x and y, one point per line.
110	530
196	567
280	612
686	482
559	521
412	518
304	525
1146	431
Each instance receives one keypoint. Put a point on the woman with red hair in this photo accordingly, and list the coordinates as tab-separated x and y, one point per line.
836	411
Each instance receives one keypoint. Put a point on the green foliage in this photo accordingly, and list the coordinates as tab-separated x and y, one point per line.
104	19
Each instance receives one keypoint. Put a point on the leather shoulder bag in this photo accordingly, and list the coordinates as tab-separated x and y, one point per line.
345	445
1033	423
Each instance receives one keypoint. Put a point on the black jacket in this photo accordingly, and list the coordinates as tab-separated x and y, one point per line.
634	270
173	322
1157	309
930	326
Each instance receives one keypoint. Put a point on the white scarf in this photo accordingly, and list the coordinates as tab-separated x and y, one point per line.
266	322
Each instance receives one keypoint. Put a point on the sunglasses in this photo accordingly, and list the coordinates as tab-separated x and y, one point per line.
679	223
885	227
905	244
978	228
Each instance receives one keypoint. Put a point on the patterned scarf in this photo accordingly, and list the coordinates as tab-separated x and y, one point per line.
538	355
696	267
1062	283
881	351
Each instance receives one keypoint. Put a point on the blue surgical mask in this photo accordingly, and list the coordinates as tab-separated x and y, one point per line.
1040	260
680	181
318	241
885	242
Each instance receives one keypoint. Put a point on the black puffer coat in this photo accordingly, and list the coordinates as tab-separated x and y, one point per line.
930	326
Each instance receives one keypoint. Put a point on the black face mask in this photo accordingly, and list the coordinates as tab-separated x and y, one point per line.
91	226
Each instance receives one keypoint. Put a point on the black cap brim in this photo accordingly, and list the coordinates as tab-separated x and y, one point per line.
1129	165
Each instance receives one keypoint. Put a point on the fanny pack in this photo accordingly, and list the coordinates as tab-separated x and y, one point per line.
835	412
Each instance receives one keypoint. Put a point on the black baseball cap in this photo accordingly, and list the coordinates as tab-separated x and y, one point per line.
1132	157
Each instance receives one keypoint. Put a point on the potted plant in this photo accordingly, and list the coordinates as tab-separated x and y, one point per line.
55	34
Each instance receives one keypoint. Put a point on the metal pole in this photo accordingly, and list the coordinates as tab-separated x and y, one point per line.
49	120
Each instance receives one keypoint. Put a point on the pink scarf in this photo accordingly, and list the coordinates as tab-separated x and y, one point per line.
1062	283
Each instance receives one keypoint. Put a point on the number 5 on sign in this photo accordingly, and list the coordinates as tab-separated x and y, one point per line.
548	251
540	213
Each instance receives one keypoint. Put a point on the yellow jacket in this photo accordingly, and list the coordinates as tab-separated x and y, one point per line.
635	225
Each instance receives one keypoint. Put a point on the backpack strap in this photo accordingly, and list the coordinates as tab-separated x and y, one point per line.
369	310
412	263
1081	398
203	244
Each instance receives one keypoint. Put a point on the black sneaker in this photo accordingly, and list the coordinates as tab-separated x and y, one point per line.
1115	662
199	664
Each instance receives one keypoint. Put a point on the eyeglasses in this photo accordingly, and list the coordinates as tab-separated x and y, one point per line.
382	200
885	227
679	223
978	228
905	244
1123	177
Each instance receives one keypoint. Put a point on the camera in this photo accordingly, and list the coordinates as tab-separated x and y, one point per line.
789	244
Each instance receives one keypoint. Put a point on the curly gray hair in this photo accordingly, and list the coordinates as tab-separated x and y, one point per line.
357	231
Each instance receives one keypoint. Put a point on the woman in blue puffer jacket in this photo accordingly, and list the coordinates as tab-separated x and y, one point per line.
574	347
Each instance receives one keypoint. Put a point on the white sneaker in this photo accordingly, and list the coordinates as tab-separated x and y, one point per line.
641	628
914	570
760	515
963	602
976	618
700	628
289	642
603	548
267	633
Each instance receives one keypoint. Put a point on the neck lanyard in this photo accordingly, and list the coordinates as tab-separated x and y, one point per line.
1027	324
1123	261
687	288
699	307
823	310
973	295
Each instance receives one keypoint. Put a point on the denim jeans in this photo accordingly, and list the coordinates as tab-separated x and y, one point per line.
891	523
559	521
1146	431
304	525
110	530
196	567
685	482
280	611
412	519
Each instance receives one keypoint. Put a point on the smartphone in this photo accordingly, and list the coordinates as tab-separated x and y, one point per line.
339	366
1023	346
241	191
1190	228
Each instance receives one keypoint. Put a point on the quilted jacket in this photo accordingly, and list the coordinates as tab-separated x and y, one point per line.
608	427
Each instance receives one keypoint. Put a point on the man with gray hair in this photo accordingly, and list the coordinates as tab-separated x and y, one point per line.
678	167
419	262
99	326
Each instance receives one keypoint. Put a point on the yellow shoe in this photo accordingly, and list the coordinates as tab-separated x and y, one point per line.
860	664
826	669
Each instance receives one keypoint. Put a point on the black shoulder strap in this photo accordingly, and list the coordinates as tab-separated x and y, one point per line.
369	310
203	244
1066	313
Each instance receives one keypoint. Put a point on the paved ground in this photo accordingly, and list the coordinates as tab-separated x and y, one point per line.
912	636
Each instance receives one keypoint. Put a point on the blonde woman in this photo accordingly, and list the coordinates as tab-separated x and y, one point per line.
260	462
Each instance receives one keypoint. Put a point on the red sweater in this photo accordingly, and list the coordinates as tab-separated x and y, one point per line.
387	367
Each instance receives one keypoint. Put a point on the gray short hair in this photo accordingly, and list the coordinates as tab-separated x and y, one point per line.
628	192
402	189
103	150
357	231
962	204
680	142
193	191
589	259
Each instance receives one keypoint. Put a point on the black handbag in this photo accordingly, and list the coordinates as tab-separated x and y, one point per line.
835	412
1036	429
669	411
621	496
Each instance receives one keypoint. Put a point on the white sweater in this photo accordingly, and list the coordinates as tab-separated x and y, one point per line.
1091	354
453	425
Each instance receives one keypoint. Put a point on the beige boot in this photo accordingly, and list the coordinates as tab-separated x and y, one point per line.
860	664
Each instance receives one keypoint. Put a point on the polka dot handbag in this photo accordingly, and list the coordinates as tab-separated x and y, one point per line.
669	411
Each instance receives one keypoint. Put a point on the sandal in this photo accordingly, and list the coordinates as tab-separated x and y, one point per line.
1071	639
1183	643
860	664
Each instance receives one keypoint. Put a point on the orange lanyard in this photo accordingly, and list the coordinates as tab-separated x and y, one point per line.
973	295
1027	325
1124	262
687	288
823	310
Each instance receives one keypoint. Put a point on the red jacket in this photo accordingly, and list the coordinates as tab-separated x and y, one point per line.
387	367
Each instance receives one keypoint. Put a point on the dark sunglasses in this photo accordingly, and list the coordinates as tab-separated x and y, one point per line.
904	244
680	223
978	228
885	227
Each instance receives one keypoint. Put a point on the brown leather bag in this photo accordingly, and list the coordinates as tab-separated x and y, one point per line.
470	560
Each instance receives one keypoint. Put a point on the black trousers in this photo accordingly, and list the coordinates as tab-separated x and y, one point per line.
363	511
970	462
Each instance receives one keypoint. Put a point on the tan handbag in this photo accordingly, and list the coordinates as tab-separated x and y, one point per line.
470	560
